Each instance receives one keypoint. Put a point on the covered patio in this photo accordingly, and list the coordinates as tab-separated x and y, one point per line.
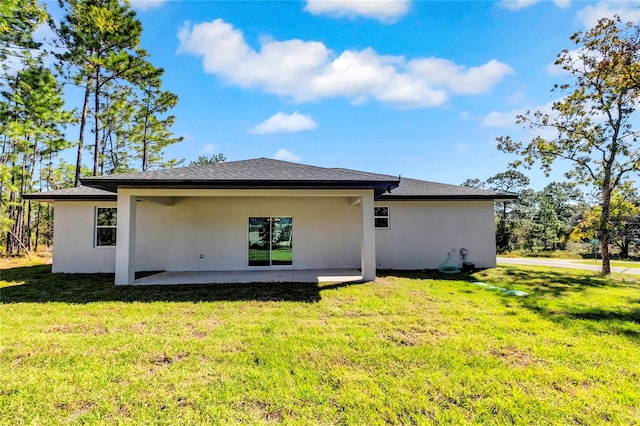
202	236
266	276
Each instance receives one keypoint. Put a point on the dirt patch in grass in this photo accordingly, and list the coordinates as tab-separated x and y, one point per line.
265	411
414	336
514	357
94	330
163	359
75	408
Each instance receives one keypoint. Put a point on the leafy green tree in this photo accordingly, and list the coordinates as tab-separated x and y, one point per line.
18	21
116	117
624	221
474	183
31	121
567	203
546	223
522	220
213	159
509	181
594	121
101	41
152	126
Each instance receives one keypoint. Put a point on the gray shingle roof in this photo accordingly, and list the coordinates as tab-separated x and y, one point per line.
268	173
413	189
257	172
79	193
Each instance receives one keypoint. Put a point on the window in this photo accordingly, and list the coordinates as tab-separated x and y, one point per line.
270	241
106	221
381	217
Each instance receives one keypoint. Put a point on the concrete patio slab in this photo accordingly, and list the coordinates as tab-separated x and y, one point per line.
271	276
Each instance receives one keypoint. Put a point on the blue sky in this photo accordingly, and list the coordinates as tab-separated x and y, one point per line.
416	88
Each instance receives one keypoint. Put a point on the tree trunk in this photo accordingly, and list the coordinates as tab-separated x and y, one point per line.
624	246
83	122
37	227
144	144
27	234
96	112
605	237
15	244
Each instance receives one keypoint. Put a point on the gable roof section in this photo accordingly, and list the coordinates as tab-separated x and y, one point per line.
82	193
413	189
257	173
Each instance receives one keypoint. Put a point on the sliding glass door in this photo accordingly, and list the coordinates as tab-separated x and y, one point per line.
270	241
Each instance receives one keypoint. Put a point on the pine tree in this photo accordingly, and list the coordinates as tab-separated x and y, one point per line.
31	117
101	41
18	20
151	132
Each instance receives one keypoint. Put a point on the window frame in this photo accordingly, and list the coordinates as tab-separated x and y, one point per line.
271	265
387	217
97	227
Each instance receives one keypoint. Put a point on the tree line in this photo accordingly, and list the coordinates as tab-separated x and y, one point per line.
558	214
593	123
122	117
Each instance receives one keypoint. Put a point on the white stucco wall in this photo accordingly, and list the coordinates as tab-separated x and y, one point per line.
172	237
73	239
423	233
326	233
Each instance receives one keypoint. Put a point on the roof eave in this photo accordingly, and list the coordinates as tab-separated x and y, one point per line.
446	197
113	184
78	197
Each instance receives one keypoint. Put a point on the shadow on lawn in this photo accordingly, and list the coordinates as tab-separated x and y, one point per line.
602	321
548	287
427	274
545	282
594	314
39	285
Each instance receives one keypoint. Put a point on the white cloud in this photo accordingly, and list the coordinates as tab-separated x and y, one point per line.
285	123
500	119
574	56
628	12
523	4
210	148
146	4
285	155
307	70
508	118
385	11
457	78
462	147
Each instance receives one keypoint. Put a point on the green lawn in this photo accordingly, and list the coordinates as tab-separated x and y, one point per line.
620	263
407	349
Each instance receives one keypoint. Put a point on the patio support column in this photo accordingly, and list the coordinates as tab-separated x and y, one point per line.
125	239
368	243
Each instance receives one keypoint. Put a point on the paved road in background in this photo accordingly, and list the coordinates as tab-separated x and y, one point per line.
562	263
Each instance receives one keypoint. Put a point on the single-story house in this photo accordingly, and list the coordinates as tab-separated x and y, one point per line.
265	214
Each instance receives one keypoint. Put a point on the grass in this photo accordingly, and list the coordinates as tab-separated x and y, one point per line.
410	348
552	254
620	263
